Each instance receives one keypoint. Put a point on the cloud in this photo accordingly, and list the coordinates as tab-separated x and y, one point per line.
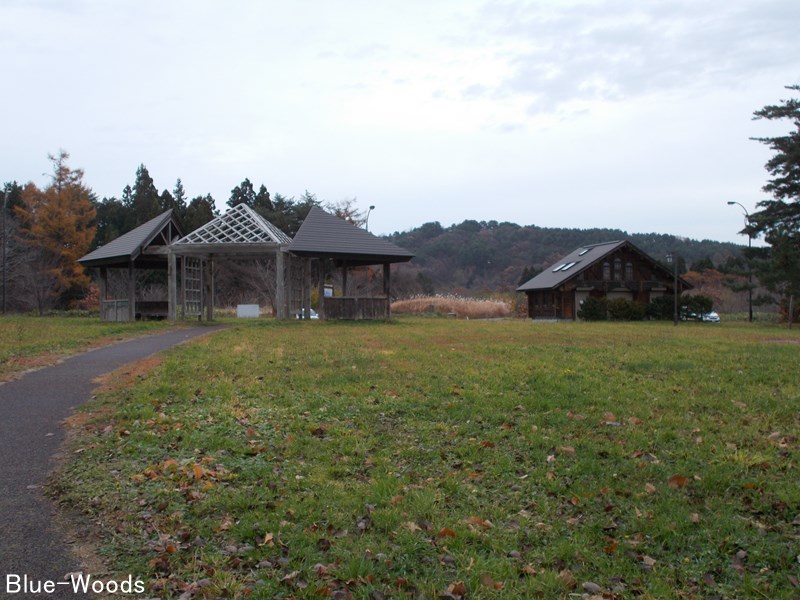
614	50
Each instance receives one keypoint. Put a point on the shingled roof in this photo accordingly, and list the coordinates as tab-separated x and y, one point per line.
160	230
324	235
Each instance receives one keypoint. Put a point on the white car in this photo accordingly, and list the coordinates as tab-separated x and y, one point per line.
300	314
711	317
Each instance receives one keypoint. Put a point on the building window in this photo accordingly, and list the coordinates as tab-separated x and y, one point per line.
606	271
629	271
617	269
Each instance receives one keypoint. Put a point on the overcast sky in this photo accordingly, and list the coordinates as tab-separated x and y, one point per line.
608	113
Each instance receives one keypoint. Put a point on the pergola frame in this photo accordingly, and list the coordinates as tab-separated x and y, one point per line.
239	233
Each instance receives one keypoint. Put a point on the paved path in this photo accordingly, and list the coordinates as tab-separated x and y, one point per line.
31	411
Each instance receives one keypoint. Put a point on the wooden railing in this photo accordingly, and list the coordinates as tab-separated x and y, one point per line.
355	309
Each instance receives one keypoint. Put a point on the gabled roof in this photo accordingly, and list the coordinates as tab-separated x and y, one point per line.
240	225
129	247
325	235
581	259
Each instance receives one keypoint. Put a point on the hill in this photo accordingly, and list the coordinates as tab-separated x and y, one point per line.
478	257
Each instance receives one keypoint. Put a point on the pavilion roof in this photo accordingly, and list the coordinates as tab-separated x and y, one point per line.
129	247
323	235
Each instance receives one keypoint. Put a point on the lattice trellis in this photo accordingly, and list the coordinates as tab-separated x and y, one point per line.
193	287
240	225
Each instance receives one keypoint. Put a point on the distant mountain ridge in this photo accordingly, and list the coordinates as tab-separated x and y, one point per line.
480	256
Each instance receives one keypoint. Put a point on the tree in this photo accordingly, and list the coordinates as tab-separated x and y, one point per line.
112	220
179	200
243	193
263	202
145	199
200	211
778	219
58	223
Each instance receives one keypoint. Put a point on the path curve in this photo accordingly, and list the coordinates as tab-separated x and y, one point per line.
32	409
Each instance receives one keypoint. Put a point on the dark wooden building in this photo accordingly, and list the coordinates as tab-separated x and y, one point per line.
608	270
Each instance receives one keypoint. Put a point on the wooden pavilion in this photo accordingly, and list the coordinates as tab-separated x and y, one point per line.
334	241
242	233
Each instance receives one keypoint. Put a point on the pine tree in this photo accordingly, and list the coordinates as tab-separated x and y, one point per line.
145	199
778	266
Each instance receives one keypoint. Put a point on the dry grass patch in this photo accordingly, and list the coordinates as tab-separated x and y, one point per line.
463	308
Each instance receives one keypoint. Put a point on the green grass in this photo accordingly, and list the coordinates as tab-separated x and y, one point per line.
27	341
421	458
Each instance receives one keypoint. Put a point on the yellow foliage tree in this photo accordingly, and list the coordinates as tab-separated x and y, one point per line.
58	224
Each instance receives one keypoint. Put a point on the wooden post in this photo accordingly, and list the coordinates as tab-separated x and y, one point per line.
321	286
387	288
209	288
344	279
280	285
172	286
183	288
306	288
131	292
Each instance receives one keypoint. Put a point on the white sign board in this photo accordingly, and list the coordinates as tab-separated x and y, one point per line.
247	311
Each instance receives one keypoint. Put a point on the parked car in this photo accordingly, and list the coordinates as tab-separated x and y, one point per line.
710	317
300	314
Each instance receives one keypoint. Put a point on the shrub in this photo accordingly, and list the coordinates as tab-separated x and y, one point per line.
661	308
593	309
620	309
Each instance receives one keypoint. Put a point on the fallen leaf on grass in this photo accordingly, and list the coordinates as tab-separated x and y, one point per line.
227	523
737	562
650	488
446	532
568	579
487	581
478	522
677	482
456	590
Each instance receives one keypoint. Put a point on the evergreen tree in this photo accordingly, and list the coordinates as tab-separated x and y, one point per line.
778	220
243	194
179	199
263	202
200	211
145	198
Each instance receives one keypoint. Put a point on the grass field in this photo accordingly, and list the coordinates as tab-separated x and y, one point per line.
434	458
29	341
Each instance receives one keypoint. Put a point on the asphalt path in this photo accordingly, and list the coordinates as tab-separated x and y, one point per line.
32	409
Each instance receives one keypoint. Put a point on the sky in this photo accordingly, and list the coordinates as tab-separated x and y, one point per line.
624	114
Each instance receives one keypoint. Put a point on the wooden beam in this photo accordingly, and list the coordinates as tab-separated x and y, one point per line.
280	285
209	288
131	292
172	286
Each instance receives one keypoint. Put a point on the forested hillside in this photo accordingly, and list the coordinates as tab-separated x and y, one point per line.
476	257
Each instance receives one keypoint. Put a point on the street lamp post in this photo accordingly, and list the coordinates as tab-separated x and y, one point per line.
672	258
5	246
366	220
749	270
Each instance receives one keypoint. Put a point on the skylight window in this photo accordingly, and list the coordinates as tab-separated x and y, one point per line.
584	251
568	266
559	267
